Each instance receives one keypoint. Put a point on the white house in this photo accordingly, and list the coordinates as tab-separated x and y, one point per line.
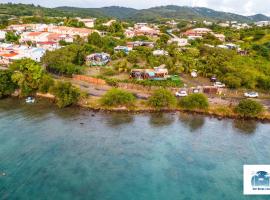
262	23
221	37
224	25
90	23
181	42
140	25
109	23
207	23
160	53
2	35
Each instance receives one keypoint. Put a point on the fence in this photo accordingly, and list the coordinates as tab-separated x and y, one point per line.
88	79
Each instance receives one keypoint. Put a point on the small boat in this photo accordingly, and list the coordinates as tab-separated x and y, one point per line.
30	100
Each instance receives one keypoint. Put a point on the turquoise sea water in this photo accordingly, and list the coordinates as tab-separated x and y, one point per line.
47	153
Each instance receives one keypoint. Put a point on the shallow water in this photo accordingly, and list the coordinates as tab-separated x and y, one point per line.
48	153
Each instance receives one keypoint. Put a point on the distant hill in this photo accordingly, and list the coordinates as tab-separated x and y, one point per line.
259	17
151	14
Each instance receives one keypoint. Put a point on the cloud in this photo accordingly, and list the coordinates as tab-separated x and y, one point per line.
245	7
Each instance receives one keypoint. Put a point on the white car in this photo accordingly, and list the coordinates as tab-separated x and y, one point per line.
196	91
181	93
219	85
194	74
251	94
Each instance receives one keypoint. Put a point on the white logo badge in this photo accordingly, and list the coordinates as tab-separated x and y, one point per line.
256	179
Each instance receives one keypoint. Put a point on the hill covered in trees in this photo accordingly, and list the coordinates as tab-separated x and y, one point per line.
151	14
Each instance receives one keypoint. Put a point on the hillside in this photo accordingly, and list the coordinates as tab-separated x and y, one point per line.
171	11
151	14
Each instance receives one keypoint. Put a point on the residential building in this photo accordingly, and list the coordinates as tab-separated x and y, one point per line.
10	53
89	23
124	49
262	23
2	35
221	37
109	23
224	25
197	32
181	42
207	23
160	53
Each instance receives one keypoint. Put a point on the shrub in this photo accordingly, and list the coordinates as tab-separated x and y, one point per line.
249	108
194	101
112	82
232	81
159	83
162	98
7	86
46	83
117	97
65	94
108	72
27	74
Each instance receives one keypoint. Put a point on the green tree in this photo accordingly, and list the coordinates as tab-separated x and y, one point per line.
46	83
73	23
7	86
232	81
12	37
95	39
163	40
65	61
27	74
117	97
66	94
162	98
133	57
264	83
194	101
116	27
249	108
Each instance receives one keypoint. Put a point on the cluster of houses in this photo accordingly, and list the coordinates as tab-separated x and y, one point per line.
198	33
11	52
140	29
35	39
157	73
48	35
262	23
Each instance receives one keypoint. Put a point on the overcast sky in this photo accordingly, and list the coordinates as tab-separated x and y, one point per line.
245	7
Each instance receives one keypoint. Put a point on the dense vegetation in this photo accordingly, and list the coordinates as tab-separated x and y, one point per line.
7	86
12	37
66	94
162	98
27	74
117	97
194	101
65	61
30	77
249	108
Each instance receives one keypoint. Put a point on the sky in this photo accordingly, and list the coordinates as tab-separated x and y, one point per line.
244	7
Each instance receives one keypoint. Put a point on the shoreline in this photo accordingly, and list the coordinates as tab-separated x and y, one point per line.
207	113
211	112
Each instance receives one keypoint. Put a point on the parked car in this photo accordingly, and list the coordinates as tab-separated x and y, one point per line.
213	79
196	91
251	94
219	85
194	74
181	93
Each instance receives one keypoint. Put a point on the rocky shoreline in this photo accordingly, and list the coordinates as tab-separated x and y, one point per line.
135	110
263	119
